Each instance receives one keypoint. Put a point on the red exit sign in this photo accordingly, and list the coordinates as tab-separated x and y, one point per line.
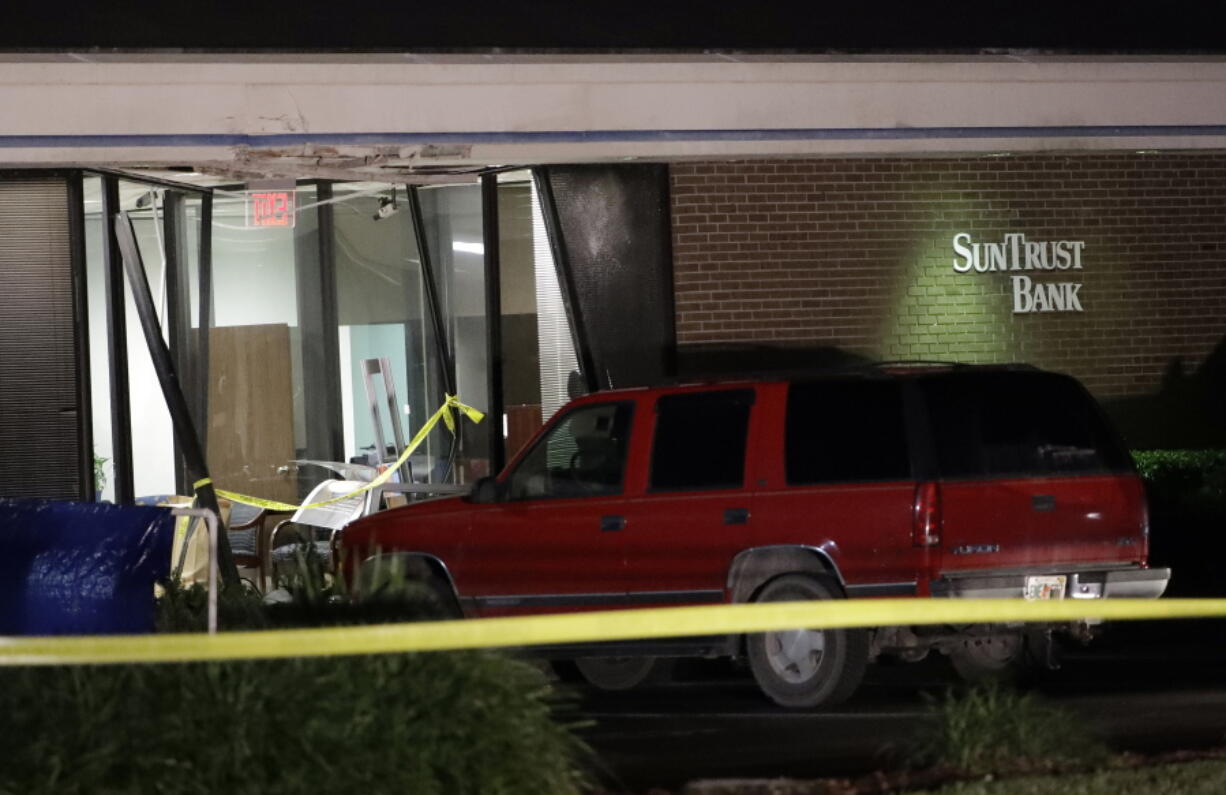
270	208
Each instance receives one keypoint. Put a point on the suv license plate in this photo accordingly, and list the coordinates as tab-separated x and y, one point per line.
1040	588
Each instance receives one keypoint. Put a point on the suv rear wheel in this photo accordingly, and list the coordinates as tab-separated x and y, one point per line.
1013	658
806	667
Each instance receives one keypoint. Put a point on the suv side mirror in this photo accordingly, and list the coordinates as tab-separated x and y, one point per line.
486	491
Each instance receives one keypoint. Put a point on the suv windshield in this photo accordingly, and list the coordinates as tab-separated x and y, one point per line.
584	455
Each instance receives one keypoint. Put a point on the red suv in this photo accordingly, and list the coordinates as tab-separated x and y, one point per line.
927	481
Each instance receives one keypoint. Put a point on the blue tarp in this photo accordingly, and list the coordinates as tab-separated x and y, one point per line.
80	568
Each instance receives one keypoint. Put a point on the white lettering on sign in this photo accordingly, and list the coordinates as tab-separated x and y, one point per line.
1030	296
1015	253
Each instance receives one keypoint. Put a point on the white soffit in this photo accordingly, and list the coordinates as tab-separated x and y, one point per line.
401	116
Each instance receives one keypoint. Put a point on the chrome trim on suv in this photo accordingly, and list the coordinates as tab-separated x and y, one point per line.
881	589
611	599
1129	583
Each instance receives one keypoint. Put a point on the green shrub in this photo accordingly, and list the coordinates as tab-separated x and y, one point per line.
992	729
1187	511
99	473
456	722
313	599
471	722
185	609
1183	474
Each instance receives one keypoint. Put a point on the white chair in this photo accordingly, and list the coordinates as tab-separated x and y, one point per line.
318	525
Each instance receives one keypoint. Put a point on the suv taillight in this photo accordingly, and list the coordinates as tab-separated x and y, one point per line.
926	515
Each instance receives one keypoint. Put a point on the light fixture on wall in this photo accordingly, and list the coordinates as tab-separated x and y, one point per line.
387	207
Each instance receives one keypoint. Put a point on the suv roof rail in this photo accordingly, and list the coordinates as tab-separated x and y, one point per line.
935	364
917	363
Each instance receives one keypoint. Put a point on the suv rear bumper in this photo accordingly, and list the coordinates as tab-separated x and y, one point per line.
1130	583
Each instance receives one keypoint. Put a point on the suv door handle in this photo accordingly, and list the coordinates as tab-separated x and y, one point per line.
736	516
611	524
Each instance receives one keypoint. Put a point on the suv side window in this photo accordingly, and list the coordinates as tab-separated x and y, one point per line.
700	440
584	455
1018	424
839	431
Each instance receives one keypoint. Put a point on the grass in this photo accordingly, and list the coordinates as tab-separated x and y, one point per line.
993	729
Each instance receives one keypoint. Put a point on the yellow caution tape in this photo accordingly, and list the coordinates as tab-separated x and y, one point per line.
443	413
583	627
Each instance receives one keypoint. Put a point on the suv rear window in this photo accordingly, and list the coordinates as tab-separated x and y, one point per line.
987	424
700	440
840	431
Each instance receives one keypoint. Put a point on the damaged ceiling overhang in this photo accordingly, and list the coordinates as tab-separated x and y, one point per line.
423	165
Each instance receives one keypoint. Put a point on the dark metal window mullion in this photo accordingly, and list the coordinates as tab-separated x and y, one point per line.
80	305
493	319
331	318
442	339
201	370
145	179
117	350
561	261
315	266
178	310
172	390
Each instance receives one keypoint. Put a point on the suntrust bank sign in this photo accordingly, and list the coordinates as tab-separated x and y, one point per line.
1015	256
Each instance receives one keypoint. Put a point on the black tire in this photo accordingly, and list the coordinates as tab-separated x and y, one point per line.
441	598
806	668
411	587
623	673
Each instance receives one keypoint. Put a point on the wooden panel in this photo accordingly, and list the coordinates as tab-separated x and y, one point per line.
522	422
251	410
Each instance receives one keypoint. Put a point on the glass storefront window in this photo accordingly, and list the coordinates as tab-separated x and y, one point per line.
99	358
452	216
383	317
153	453
153	443
537	345
304	319
521	340
258	385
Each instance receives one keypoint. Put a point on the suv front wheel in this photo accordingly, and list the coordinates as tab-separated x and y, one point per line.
806	667
623	673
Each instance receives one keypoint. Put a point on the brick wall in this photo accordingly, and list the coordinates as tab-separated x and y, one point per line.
858	254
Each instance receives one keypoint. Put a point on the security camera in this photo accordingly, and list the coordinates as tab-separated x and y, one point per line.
387	207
